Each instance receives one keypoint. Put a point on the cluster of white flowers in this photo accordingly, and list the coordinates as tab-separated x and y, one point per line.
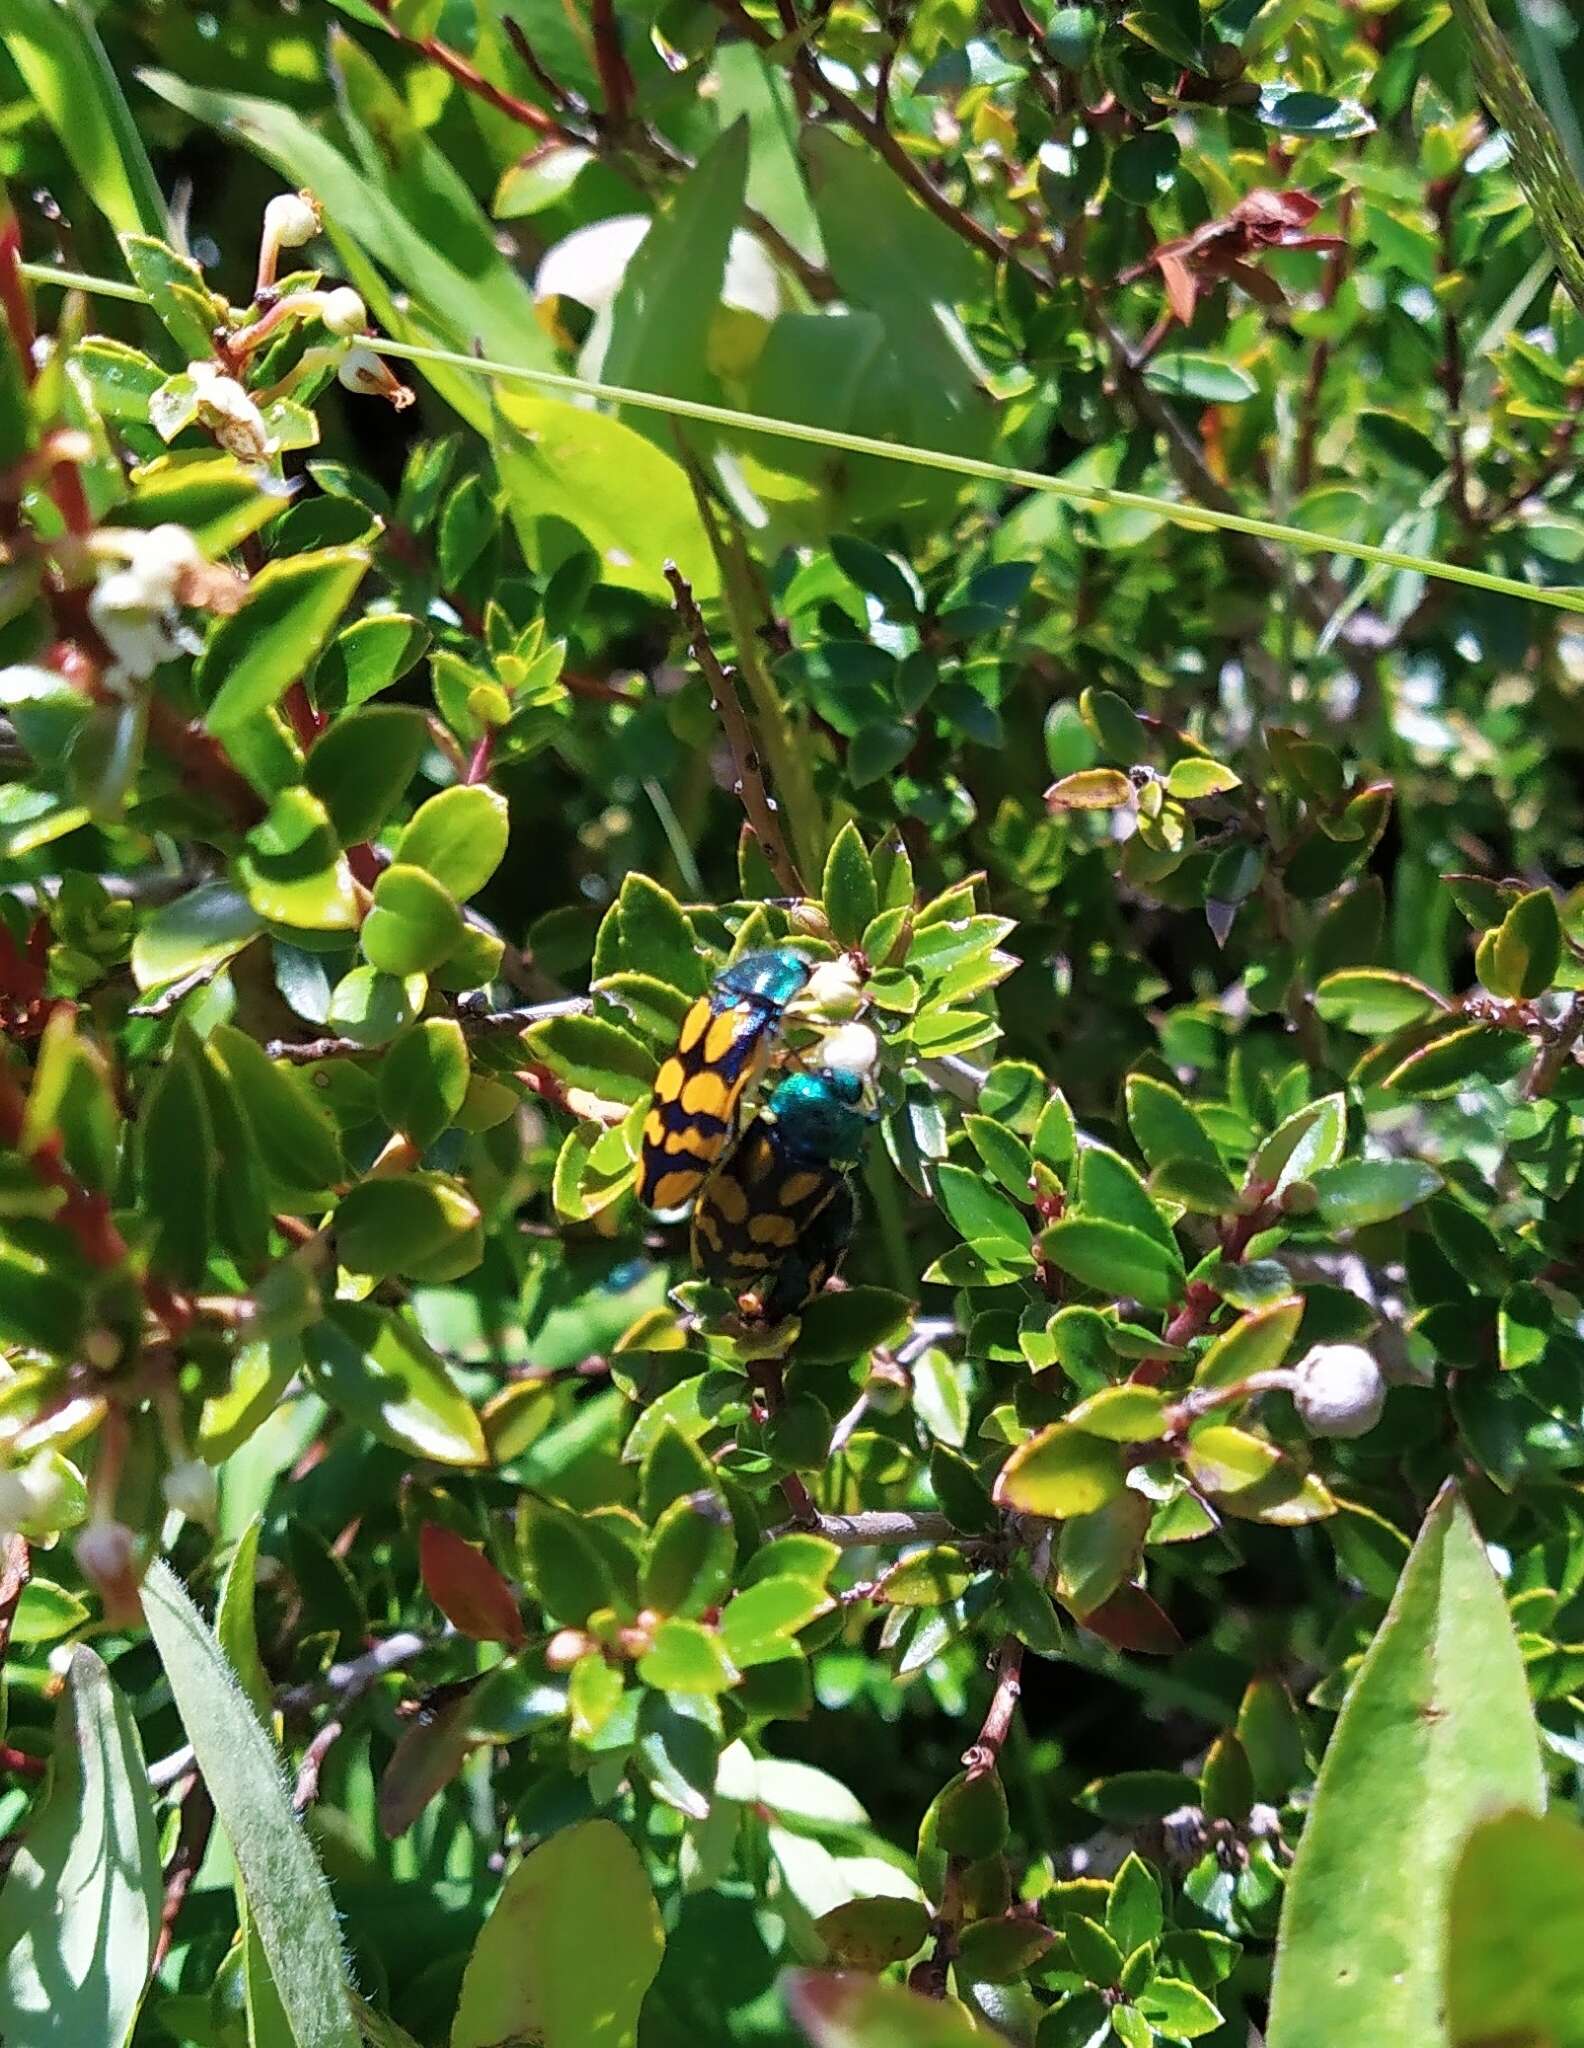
134	605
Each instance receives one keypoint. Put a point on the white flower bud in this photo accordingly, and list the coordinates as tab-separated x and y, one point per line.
291	219
107	1558
230	414
833	988
1338	1390
362	371
190	1489
854	1049
344	312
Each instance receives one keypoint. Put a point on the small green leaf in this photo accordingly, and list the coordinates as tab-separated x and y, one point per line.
977	1208
413	925
849	2011
1255	1343
1060	1472
870	1934
595	1056
1519	958
689	1555
927	1578
1164	1124
1363	1191
423	1079
1375	999
296	1139
1190	373
758	1624
848	888
656	937
1195	776
422	1225
458	838
686	1657
374	1367
1114	1259
1109	1189
362	764
1310	113
292	608
1091	789
1124	1414
176	1165
1311	1138
293	870
196	934
1133	1911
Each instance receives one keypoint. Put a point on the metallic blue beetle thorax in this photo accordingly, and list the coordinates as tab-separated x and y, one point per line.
817	1118
772	977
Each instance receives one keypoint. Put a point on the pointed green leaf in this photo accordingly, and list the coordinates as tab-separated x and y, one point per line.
1436	1730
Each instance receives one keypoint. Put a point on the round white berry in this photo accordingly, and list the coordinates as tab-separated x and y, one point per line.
1338	1390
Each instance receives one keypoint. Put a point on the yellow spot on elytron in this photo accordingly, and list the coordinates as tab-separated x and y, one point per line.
797	1187
694	1024
704	1227
772	1230
722	1037
745	1259
696	1144
668	1082
654	1128
730	1200
756	1159
672	1190
704	1095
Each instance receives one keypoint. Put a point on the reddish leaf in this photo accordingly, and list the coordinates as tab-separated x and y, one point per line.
467	1588
1131	1620
1182	290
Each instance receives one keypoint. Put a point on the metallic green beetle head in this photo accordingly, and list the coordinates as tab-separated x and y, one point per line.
818	1120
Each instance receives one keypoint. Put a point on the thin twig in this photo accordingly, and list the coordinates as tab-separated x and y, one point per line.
192	1843
348	1681
307	1790
470	77
477	1023
610	60
757	803
1553	1056
881	1527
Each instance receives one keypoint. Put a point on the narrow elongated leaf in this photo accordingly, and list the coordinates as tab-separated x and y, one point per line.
54	45
568	1951
286	1892
81	1904
1436	1730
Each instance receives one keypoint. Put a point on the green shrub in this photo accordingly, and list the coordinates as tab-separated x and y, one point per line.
1057	527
